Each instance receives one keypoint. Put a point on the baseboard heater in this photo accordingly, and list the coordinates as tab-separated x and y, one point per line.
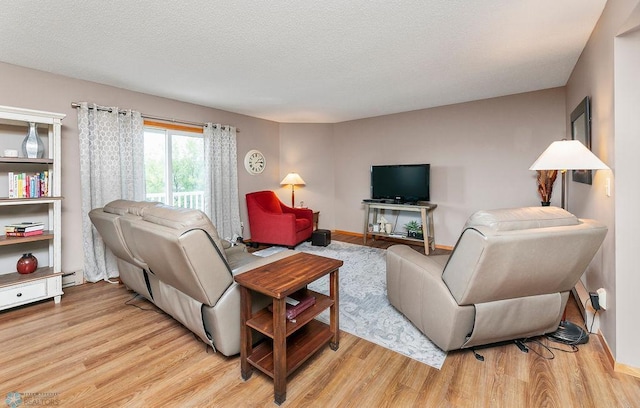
69	279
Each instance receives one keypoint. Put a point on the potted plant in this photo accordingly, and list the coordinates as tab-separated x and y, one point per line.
414	230
545	180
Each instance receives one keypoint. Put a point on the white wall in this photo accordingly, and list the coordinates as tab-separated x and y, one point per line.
597	74
627	151
307	149
480	153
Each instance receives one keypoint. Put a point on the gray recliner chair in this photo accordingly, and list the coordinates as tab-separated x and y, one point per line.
508	277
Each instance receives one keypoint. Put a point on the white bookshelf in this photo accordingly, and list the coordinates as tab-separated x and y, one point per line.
46	282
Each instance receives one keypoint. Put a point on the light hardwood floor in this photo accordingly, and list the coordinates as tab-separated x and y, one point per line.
93	350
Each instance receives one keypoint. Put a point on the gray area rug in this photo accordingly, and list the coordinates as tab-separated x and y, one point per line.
364	308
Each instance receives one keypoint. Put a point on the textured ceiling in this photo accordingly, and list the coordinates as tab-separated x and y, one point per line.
301	60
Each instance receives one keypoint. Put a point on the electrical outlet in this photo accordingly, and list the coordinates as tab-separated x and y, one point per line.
602	298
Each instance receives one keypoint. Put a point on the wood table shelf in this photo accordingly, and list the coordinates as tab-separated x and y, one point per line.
45	236
300	346
263	320
289	343
25	160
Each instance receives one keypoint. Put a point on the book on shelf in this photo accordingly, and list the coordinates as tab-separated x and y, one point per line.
23	185
24	227
24	234
296	304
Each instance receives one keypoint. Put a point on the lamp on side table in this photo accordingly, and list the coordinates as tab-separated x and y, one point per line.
292	179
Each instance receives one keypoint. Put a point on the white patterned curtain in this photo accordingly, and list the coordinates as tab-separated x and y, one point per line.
221	187
111	167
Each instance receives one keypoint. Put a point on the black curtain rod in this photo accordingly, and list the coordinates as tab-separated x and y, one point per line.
150	117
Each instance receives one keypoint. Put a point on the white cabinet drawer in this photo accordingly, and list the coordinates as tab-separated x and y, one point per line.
23	293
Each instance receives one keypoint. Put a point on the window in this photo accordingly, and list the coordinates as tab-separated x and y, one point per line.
177	156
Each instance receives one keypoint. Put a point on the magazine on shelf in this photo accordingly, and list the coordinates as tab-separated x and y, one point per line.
24	227
297	304
24	234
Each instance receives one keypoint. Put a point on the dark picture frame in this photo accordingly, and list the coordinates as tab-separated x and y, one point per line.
581	130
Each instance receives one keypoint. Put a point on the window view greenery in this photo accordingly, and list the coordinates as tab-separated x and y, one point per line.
176	156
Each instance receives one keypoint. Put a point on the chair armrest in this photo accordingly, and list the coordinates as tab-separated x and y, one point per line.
273	228
407	269
298	212
271	221
415	288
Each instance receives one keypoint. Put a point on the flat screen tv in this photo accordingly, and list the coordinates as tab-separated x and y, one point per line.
404	183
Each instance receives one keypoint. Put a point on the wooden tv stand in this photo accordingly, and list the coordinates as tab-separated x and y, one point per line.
426	212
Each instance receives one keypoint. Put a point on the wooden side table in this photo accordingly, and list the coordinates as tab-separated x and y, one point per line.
316	217
289	343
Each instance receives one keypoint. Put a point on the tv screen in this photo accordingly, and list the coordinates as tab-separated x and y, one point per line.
400	182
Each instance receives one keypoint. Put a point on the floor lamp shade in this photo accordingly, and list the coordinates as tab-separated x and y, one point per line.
292	179
566	155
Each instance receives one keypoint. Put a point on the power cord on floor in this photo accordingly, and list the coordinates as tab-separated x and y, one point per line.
128	303
550	355
594	315
549	348
535	345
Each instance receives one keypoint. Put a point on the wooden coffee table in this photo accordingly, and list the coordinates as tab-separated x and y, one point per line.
289	343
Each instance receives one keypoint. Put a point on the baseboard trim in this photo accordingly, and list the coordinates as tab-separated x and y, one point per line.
582	296
618	367
625	369
353	234
607	350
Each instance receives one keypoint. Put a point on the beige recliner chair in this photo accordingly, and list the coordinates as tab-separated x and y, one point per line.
133	272
508	277
175	258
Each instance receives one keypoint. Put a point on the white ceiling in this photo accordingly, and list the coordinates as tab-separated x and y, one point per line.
319	61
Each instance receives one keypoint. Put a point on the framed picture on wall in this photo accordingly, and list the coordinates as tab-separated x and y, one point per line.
581	130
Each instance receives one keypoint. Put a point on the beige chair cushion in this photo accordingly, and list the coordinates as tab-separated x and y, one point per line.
122	207
488	265
509	219
183	219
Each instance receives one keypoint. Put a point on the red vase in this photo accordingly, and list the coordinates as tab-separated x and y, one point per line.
27	264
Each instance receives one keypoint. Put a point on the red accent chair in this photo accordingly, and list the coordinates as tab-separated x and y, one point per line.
272	222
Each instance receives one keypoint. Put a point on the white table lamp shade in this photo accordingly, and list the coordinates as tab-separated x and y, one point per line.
292	179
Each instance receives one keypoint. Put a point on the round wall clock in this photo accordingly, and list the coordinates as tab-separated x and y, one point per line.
254	162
